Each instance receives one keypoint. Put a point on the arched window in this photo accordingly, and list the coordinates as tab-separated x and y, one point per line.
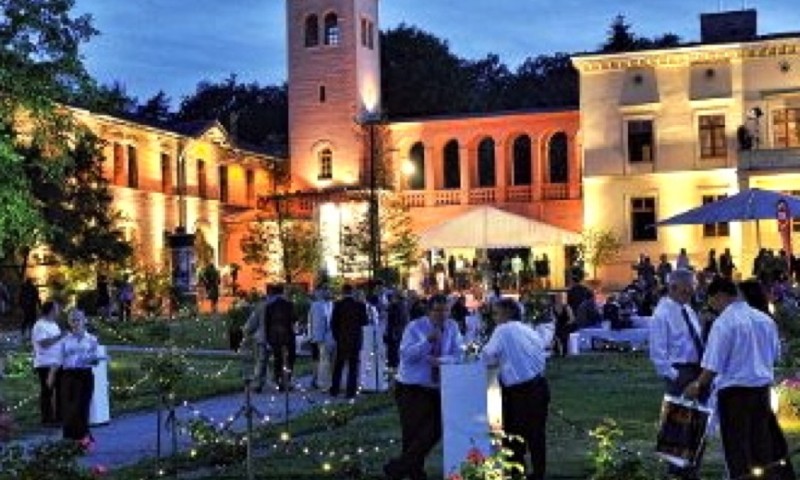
331	29
486	173
452	165
521	153
312	31
416	181
557	158
325	164
133	168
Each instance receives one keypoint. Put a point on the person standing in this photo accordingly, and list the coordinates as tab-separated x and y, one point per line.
417	391
564	319
397	318
45	336
682	262
663	270
78	354
254	329
520	353
739	360
726	265
319	326
279	322
348	318
30	303
103	295
676	346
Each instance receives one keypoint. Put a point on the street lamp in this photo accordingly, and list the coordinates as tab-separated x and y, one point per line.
372	120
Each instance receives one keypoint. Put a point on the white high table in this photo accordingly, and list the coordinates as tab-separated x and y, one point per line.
471	404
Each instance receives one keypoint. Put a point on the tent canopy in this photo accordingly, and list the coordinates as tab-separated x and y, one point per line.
489	227
751	204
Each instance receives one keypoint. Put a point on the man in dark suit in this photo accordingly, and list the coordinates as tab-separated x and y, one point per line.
347	319
279	321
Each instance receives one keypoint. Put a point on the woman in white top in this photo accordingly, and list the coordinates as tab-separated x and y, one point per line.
45	336
78	355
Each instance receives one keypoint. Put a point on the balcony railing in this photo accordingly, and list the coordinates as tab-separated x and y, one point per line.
414	198
447	197
519	194
481	196
555	191
769	159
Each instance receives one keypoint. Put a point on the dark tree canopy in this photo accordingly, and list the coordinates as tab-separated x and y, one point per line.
621	38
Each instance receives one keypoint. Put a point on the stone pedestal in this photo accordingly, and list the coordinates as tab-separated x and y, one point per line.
372	362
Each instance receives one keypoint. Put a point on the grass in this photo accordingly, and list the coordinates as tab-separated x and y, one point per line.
585	390
203	332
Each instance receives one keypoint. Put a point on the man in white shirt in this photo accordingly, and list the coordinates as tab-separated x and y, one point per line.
254	329
425	342
743	347
520	353
676	345
45	336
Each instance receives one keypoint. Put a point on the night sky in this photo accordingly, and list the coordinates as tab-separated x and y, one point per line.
170	45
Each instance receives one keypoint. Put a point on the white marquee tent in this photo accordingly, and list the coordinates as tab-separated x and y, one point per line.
489	227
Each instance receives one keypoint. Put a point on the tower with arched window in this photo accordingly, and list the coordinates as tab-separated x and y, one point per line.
334	84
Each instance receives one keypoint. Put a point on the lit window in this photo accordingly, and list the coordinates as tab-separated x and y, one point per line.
312	31
643	219
331	29
786	128
640	141
720	229
119	165
250	187
712	136
416	157
325	164
166	174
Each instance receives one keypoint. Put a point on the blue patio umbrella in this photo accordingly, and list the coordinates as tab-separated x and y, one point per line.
752	204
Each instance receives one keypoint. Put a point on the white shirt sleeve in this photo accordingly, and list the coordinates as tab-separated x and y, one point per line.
659	344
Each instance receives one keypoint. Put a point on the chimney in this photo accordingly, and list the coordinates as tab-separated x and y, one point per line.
726	27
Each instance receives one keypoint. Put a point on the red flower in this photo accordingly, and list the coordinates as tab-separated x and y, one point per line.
99	470
475	456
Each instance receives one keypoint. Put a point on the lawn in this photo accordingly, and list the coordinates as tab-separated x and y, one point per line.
354	441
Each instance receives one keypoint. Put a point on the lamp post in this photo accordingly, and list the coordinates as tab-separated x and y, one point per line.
372	120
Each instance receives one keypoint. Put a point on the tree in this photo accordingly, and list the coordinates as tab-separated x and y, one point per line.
599	247
59	160
156	109
399	245
544	81
255	114
622	39
281	256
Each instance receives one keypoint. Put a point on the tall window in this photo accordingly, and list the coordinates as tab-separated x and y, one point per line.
331	29
323	95
720	229
312	31
364	23
452	165
119	164
558	158
250	187
712	136
795	221
166	174
643	219
640	141
370	35
486	173
417	158
133	168
223	184
325	164
786	128
521	152
201	179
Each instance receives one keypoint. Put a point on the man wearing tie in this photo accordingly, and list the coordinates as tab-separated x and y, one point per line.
425	342
676	346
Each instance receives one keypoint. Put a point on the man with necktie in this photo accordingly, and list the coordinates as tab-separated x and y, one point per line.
425	342
676	346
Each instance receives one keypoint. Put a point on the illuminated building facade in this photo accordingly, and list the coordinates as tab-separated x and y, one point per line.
153	170
526	163
668	130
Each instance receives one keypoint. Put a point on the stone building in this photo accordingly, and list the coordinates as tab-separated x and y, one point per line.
668	130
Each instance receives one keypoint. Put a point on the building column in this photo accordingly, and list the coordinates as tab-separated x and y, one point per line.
500	170
537	169
574	165
464	173
430	184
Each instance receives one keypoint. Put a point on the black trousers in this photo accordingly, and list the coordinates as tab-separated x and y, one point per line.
49	410
420	410
284	355
525	415
751	436
77	387
349	356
